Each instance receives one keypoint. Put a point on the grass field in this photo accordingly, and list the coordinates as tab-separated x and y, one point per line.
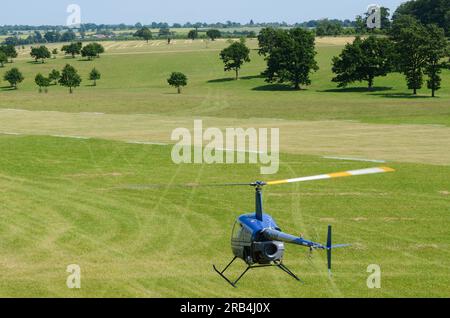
69	162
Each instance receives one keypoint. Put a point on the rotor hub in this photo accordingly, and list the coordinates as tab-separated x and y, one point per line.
258	184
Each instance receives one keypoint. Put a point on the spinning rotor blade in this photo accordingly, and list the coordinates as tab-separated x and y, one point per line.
260	183
334	175
187	185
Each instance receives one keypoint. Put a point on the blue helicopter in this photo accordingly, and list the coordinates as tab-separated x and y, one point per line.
259	242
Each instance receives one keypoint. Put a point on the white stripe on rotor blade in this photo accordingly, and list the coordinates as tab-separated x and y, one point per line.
313	178
366	171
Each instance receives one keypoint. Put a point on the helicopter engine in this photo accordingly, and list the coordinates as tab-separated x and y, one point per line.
267	252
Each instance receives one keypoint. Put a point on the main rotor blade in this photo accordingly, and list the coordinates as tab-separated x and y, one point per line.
187	185
334	175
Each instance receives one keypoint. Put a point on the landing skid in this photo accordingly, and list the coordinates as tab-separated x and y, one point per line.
280	265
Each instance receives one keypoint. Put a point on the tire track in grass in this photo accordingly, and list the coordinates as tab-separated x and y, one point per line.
47	191
179	227
36	222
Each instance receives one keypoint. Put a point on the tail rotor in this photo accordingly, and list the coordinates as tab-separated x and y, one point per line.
329	249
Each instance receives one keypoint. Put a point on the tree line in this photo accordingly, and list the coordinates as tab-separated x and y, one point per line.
68	77
146	34
426	11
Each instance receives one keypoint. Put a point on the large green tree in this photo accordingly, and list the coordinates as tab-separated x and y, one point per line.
268	39
427	12
327	27
89	51
10	51
54	76
410	38
14	77
100	49
144	33
213	34
3	58
70	78
235	56
436	50
385	22
193	34
177	80
40	53
363	60
72	49
292	58
95	75
42	82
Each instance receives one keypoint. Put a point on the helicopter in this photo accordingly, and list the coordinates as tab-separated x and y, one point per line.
259	242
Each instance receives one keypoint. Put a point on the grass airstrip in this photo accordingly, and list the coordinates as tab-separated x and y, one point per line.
71	166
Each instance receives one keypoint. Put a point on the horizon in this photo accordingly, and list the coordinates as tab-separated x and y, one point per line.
54	12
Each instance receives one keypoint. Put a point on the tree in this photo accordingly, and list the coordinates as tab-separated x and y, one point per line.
436	50
70	78
89	51
385	22
427	12
235	56
68	36
360	25
10	51
268	39
38	37
193	34
41	53
144	33
410	38
92	50
95	75
55	53
292	57
72	49
177	80
327	27
98	48
52	36
363	60
3	58
54	76
164	32
42	82
213	34
14	77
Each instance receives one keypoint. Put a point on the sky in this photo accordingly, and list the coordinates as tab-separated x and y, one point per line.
54	12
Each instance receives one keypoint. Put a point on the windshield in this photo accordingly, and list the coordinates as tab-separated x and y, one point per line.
237	230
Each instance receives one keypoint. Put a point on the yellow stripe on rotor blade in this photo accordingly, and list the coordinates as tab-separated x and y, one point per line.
340	174
277	182
334	175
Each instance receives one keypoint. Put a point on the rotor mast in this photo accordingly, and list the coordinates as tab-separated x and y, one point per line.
259	199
